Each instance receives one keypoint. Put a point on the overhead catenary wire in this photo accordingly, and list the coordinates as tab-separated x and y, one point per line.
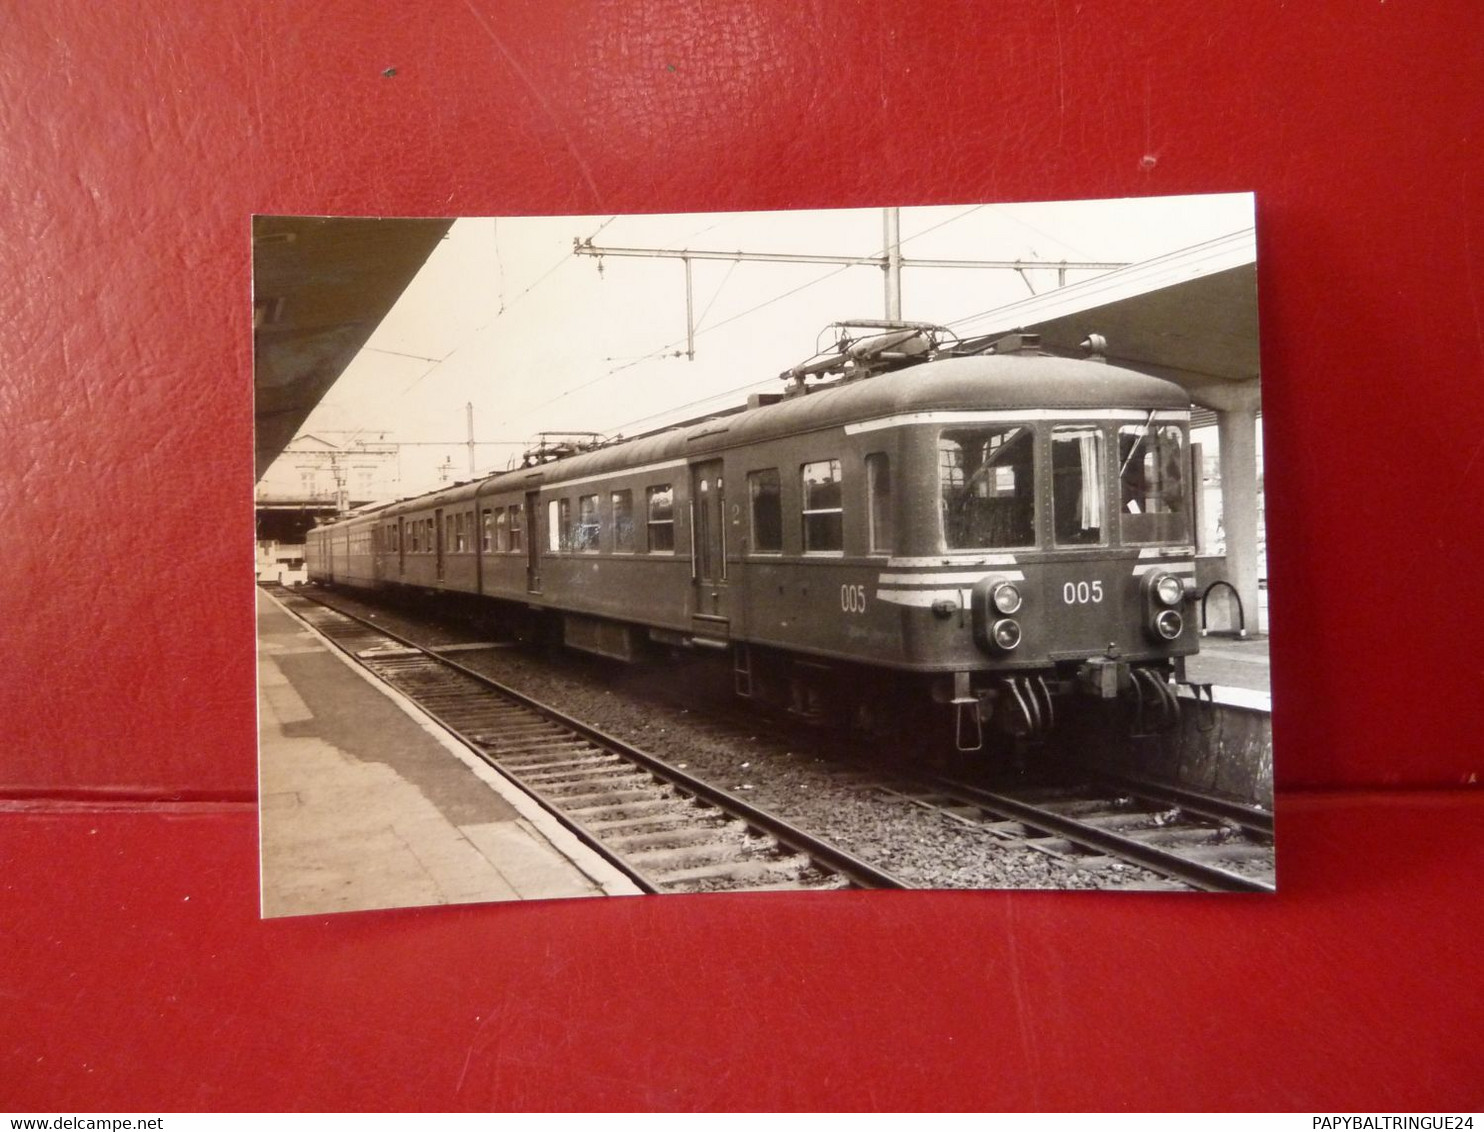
671	349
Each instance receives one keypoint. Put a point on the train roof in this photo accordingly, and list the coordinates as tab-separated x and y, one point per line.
985	383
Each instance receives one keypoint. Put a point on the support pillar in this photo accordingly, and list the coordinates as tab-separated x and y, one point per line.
1237	431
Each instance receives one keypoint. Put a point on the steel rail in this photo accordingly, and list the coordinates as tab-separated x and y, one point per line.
1252	819
1210	878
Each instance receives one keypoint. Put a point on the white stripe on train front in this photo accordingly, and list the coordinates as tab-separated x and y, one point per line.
1165	568
962	561
1167	552
946	578
923	599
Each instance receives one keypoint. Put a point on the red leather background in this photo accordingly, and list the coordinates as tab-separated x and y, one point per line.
139	137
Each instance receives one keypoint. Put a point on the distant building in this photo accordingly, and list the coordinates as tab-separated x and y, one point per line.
316	478
318	471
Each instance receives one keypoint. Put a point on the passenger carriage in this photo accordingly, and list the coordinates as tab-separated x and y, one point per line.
994	531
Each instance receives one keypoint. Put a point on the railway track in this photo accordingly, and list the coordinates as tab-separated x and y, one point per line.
1197	841
668	830
1086	819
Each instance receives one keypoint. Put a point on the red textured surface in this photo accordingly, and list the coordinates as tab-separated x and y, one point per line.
139	137
1352	987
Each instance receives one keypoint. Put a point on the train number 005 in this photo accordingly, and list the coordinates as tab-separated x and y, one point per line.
1082	593
853	599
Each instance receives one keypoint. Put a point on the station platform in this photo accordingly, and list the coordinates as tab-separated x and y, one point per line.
1237	669
365	802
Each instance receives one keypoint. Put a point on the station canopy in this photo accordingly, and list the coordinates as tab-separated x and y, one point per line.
321	285
1189	316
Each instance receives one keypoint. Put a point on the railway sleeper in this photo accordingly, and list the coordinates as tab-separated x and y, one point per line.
586	786
533	731
1123	821
1079	807
745	872
824	882
1231	852
669	860
559	792
1193	836
483	720
593	762
534	756
577	775
527	749
655	822
634	844
486	717
574	802
648	809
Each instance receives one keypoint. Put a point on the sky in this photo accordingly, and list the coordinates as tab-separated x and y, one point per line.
505	317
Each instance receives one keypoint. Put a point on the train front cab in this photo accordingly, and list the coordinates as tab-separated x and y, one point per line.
1057	561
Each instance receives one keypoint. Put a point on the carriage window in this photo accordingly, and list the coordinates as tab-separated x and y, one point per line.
824	512
517	531
585	534
1151	477
559	525
496	530
458	532
986	487
661	518
878	487
1077	485
767	511
623	521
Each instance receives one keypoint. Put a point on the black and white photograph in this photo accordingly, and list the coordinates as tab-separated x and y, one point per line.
905	547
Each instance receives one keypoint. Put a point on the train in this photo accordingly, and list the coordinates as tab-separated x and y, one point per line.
977	528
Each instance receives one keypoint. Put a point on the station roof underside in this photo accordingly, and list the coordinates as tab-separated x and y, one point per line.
321	285
1190	317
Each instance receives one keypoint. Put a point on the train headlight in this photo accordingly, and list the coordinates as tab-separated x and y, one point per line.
1006	597
1169	624
1169	589
1006	633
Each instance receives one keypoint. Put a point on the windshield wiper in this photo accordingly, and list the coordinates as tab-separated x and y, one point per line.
1129	459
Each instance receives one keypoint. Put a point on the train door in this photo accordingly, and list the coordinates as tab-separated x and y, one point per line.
533	542
401	547
438	544
709	549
